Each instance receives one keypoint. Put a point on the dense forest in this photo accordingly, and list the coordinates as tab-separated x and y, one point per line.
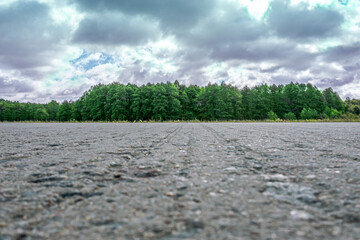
172	101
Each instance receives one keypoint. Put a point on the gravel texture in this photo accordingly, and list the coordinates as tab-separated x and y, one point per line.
180	181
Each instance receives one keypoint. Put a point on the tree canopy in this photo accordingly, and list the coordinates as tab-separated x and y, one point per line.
173	101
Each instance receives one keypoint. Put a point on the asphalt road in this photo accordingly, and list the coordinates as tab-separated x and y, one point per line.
180	181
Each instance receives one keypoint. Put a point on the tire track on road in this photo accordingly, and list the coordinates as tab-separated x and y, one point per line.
248	159
169	136
225	141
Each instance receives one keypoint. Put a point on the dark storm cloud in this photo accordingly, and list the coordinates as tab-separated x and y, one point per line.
14	86
249	52
115	29
26	33
299	60
190	61
332	82
174	15
192	22
344	80
284	54
236	26
353	68
271	69
343	53
300	22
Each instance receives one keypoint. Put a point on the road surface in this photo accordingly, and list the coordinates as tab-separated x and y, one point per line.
180	181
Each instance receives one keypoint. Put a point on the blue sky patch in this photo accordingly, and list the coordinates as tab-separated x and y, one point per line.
89	60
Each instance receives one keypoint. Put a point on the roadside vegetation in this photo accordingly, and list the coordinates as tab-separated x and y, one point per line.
172	102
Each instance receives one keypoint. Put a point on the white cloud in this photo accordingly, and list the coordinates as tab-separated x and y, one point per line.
256	8
352	89
70	46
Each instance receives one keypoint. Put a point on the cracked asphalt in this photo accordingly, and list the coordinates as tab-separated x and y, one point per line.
179	181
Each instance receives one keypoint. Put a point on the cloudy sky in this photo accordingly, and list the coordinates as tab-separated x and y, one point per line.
52	49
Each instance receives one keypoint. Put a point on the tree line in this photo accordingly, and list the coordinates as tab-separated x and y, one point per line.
173	101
